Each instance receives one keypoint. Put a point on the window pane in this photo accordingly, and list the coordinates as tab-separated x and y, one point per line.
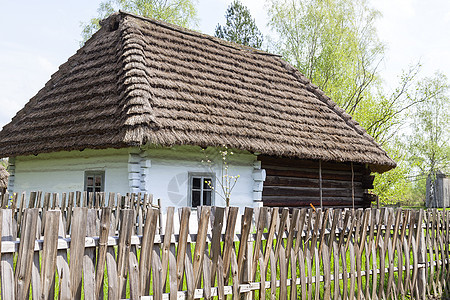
98	180
195	198
90	181
97	189
207	198
89	190
196	183
207	184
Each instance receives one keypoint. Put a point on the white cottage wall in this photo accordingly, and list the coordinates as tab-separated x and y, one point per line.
168	176
65	171
163	172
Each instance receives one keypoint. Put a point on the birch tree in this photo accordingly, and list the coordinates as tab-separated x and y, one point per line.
179	12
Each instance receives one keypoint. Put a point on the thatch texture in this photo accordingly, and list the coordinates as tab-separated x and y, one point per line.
139	81
3	177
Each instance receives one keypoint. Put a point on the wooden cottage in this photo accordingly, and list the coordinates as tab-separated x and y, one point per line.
132	110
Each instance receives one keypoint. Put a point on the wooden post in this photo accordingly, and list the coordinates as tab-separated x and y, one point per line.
422	258
320	183
353	186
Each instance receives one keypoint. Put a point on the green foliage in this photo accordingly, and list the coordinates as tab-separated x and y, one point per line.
334	43
394	186
240	27
428	144
425	149
179	12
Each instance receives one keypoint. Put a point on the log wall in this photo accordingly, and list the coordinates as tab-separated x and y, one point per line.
296	183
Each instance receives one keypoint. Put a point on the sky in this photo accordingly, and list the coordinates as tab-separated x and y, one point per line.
36	37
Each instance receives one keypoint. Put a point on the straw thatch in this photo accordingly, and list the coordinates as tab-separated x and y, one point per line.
140	81
3	178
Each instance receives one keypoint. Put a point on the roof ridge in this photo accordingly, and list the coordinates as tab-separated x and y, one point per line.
137	106
331	104
191	32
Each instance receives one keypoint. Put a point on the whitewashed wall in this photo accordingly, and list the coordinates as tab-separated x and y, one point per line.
163	172
169	172
64	171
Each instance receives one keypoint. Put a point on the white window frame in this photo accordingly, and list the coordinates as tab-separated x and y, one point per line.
203	175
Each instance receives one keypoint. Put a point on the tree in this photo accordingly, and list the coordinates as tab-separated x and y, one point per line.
179	12
334	43
240	27
429	140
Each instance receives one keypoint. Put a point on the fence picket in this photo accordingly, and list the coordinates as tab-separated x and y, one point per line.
48	265
77	249
7	262
299	254
26	252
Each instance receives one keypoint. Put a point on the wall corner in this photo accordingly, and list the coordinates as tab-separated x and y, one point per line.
138	170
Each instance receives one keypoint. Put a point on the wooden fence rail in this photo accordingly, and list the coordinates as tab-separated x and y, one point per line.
120	252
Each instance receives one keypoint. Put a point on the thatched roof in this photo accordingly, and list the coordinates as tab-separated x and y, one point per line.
3	177
141	81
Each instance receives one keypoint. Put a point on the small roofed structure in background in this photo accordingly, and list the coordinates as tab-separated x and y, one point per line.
132	110
3	179
438	191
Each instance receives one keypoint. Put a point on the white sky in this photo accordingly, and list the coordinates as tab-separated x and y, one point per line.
38	36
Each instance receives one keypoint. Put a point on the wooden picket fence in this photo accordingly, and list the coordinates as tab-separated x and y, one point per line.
130	251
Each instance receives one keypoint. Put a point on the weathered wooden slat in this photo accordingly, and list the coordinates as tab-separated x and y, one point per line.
269	244
62	266
7	259
102	249
89	257
70	206
182	243
20	211
166	244
200	244
215	243
123	251
229	237
245	230
351	291
157	277
135	289
78	235
111	267
189	270
26	253
48	264
147	250
283	267
173	273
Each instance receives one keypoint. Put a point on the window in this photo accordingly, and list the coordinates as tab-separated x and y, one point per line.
94	181
200	189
